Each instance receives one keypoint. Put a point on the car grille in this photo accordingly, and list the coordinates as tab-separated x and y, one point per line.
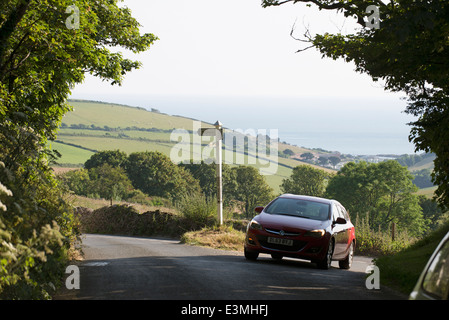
297	245
282	232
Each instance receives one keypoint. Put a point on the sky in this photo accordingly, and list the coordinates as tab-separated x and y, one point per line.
236	62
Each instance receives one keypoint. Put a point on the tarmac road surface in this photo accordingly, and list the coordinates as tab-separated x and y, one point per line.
129	268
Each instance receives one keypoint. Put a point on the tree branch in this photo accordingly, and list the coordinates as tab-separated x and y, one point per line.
10	25
3	70
349	7
306	35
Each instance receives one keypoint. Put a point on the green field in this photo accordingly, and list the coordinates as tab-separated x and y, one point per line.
70	155
97	126
101	114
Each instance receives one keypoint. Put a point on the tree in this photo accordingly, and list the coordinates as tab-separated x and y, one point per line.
156	175
384	191
110	183
115	158
431	211
307	156
323	161
288	152
422	178
251	189
206	174
409	53
105	181
305	180
77	181
41	59
334	160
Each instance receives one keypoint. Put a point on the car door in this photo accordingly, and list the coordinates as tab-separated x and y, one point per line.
340	231
347	230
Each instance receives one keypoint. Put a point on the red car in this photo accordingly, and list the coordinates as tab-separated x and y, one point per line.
303	227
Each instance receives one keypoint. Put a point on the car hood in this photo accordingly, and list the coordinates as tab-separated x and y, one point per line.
284	222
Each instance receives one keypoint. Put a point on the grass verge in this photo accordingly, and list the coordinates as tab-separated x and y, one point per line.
221	237
402	270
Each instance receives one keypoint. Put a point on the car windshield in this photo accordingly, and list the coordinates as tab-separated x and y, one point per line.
299	208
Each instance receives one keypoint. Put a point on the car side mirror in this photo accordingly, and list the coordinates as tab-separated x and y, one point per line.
340	220
258	209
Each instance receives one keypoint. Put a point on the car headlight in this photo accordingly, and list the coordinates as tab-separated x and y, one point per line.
255	225
318	233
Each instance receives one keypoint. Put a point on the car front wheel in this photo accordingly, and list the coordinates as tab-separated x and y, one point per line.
327	260
251	255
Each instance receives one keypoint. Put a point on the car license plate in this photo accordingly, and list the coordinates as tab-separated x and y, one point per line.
284	242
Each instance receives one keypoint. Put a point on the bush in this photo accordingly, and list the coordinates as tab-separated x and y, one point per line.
379	242
402	270
198	209
37	228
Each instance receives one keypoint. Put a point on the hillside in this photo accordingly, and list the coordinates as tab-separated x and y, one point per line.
96	126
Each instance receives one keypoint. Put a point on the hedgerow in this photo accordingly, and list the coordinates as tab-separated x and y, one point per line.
37	228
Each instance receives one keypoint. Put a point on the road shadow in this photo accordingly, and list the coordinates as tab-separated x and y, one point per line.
215	277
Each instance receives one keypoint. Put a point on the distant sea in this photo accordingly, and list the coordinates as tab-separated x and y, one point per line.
357	126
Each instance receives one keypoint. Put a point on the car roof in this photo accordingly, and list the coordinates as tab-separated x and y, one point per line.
309	198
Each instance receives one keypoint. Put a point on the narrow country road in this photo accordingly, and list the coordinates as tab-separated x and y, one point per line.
128	268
